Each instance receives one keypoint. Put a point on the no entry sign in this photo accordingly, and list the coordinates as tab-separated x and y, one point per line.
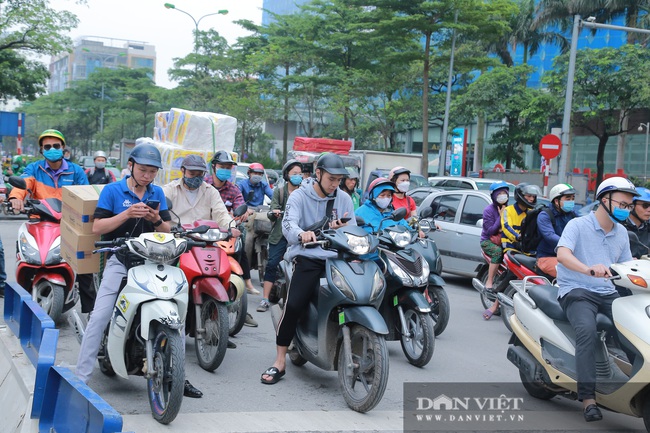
550	146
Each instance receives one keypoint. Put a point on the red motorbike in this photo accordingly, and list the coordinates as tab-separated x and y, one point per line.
40	269
208	272
515	266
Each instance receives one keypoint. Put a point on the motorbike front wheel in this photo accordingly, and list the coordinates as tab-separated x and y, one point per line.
211	343
237	314
364	382
167	381
439	303
418	348
50	297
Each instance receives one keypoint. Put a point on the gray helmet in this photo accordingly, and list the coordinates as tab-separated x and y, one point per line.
193	162
332	163
146	154
222	157
288	166
99	154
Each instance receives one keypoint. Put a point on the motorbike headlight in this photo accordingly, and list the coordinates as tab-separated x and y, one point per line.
54	255
401	239
31	254
159	252
212	235
339	281
425	272
378	285
358	244
238	244
400	273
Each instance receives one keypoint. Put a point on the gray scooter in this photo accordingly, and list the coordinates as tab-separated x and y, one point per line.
341	328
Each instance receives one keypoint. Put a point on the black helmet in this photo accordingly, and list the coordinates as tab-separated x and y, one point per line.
288	166
222	157
526	189
146	154
332	163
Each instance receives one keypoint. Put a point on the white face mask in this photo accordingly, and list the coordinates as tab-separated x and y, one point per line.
383	202
502	198
404	186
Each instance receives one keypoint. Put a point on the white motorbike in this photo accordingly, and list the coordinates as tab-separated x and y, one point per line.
144	335
543	344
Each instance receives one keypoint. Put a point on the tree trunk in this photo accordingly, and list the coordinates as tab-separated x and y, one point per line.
285	120
480	140
243	140
600	158
621	140
425	110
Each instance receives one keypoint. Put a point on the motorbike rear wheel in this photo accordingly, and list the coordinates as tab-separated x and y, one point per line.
500	282
296	358
363	384
535	389
211	344
50	297
418	349
104	361
439	308
167	382
507	312
237	314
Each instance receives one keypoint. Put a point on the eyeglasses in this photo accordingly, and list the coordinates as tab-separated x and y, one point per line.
49	146
623	205
644	205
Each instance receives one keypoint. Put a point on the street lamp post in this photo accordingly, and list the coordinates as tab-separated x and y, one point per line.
645	126
196	22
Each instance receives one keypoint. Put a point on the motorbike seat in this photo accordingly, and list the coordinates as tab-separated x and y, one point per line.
527	261
545	296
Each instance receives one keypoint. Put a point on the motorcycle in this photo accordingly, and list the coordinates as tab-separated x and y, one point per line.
341	328
40	269
238	306
208	272
435	293
143	337
542	346
404	306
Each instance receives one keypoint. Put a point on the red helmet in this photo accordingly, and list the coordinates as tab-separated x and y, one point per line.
379	185
256	167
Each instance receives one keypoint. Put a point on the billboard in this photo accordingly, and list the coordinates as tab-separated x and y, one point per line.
458	149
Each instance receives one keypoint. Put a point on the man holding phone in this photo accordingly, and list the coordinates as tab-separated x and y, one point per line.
315	199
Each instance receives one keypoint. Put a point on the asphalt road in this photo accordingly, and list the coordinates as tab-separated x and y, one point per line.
471	350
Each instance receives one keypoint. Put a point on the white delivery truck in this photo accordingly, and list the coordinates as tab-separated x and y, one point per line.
374	161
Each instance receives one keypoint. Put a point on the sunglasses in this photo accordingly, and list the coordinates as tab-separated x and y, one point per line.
644	205
49	146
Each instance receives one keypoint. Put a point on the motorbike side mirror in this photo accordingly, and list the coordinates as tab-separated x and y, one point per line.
250	196
479	223
241	210
169	203
17	182
426	212
360	221
398	214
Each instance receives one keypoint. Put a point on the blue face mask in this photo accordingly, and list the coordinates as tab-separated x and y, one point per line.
296	179
53	155
193	182
223	174
568	206
620	215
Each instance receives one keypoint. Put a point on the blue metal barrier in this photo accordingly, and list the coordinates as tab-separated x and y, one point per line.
46	356
33	321
15	296
70	406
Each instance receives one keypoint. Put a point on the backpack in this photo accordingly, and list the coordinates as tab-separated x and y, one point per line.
530	236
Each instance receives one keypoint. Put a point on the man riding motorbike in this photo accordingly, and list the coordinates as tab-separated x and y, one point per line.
638	222
99	175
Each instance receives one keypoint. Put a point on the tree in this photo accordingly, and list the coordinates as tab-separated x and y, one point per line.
502	94
607	88
29	28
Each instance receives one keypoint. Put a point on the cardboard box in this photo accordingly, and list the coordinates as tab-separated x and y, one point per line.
79	203
77	250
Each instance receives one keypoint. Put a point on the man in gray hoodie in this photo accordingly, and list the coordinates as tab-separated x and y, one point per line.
315	199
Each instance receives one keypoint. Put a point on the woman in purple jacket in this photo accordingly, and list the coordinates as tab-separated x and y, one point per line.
491	236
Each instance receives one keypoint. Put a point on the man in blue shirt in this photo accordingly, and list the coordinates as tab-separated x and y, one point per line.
256	184
587	248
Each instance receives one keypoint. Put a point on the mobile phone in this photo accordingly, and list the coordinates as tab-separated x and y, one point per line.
153	204
344	220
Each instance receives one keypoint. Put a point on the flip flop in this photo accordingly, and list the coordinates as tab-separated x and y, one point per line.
275	374
487	314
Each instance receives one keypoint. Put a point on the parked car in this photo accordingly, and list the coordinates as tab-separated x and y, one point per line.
459	214
459	182
420	193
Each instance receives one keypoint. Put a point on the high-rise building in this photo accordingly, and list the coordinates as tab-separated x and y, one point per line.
92	52
279	7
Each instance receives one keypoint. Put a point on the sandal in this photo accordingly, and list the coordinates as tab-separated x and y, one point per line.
275	374
487	314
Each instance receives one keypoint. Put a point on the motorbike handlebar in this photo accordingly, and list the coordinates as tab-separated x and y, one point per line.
314	244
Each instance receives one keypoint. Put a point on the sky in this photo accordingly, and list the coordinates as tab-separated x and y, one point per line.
170	31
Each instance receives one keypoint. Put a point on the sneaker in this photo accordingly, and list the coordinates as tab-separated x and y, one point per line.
250	321
264	306
252	291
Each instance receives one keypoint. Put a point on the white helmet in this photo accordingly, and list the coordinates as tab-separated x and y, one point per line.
561	189
99	154
614	184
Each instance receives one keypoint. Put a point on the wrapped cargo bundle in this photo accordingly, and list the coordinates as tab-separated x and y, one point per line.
195	130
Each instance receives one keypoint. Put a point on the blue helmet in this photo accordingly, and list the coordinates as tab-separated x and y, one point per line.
146	154
498	185
644	194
